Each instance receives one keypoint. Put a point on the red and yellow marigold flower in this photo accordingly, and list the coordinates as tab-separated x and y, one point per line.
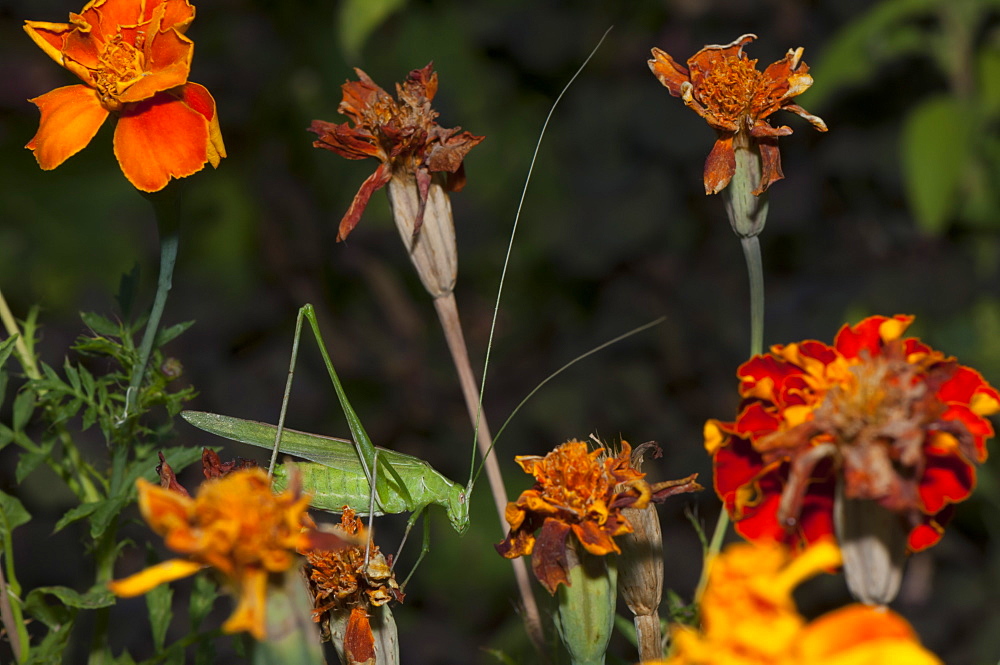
235	525
735	98
884	417
580	493
403	135
748	617
133	59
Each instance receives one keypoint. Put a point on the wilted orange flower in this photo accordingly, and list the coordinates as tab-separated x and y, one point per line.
404	136
133	59
341	579
575	493
890	419
236	525
726	89
748	617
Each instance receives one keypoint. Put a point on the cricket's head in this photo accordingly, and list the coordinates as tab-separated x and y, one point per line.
458	508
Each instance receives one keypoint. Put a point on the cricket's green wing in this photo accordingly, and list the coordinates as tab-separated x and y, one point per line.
337	478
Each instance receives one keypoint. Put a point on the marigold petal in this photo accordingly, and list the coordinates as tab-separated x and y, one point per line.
359	642
770	163
251	606
200	99
176	14
49	37
947	479
160	138
168	66
861	635
154	576
373	183
117	13
163	509
668	71
595	539
720	165
71	117
548	560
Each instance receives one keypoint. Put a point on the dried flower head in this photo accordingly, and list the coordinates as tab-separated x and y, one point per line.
235	525
133	59
748	617
576	493
886	418
401	133
726	89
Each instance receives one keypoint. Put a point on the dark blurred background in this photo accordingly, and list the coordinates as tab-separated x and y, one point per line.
893	211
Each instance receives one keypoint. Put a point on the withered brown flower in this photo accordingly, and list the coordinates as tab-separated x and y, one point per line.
726	89
576	493
402	134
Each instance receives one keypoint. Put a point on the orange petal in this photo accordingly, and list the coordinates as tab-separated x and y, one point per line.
668	71
71	117
49	37
861	634
594	539
720	165
164	509
198	97
250	610
168	65
359	642
158	139
152	577
116	13
176	14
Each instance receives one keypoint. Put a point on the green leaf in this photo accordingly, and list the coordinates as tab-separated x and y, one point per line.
75	513
6	347
935	145
100	325
855	53
6	435
359	18
158	602
202	598
24	406
107	511
53	646
12	513
28	462
167	334
989	79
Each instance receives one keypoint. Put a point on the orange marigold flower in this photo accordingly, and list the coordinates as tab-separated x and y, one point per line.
342	580
884	416
575	493
236	525
726	89
403	135
133	59
748	617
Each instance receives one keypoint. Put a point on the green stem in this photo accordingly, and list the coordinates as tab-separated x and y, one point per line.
751	252
165	204
755	269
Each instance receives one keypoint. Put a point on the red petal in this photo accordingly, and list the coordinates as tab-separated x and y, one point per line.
720	165
158	139
770	164
374	182
71	117
548	561
947	479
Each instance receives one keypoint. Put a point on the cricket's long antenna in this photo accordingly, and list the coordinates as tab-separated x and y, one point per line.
565	367
510	247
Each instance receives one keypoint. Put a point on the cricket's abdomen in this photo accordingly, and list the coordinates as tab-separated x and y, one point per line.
332	489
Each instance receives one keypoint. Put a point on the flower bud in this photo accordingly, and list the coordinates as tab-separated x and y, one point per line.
586	610
431	245
872	541
747	211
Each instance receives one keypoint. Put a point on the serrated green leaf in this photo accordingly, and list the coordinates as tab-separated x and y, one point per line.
12	513
359	18
72	375
854	54
158	603
52	648
6	348
100	325
75	513
203	596
24	406
108	510
53	615
6	435
28	462
167	334
935	145
94	598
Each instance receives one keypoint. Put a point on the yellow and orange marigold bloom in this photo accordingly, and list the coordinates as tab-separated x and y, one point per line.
726	89
748	617
887	418
403	135
575	493
133	59
235	525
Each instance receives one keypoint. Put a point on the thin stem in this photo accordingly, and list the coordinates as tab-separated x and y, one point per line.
165	205
755	269
751	252
447	311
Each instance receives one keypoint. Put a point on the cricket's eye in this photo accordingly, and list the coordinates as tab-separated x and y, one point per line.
461	497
